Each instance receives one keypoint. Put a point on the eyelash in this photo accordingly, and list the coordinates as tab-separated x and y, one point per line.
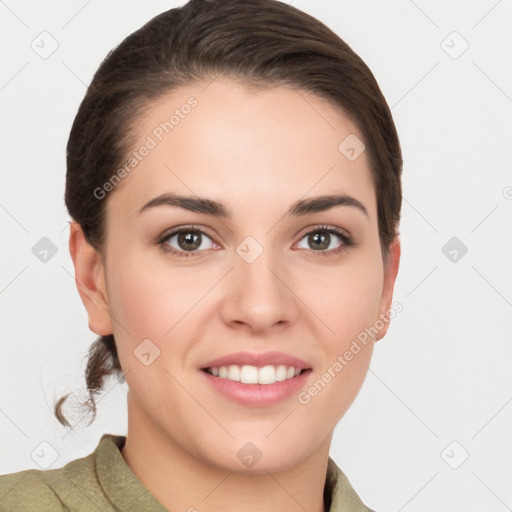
348	241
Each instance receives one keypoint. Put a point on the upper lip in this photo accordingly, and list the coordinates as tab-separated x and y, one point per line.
257	359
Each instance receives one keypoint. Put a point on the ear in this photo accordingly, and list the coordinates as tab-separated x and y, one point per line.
391	265
90	280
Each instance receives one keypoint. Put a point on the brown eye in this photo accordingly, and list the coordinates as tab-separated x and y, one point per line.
326	240
189	241
319	240
186	241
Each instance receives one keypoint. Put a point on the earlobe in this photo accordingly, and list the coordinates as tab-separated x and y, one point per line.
391	265
90	281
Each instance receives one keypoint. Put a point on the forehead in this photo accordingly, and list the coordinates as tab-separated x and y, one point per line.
256	146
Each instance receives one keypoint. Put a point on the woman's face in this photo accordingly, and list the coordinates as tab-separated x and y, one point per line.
269	283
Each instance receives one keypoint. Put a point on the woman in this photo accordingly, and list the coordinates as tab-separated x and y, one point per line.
233	176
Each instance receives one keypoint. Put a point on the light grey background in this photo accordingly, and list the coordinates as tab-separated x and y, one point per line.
439	387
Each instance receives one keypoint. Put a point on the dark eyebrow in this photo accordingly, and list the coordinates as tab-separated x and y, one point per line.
211	207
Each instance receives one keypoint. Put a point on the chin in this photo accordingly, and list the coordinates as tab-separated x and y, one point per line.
256	457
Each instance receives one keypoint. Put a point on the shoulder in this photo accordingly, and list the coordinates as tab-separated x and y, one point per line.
74	486
27	490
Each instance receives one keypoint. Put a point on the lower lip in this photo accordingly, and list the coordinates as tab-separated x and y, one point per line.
257	394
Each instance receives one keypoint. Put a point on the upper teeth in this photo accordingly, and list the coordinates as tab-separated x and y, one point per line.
253	375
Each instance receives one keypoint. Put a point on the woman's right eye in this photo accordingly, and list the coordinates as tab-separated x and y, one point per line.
185	242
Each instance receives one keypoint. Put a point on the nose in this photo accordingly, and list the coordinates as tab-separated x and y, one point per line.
259	295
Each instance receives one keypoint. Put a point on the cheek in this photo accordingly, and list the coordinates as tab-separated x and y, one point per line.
150	300
346	299
348	303
334	390
137	302
144	300
148	305
348	307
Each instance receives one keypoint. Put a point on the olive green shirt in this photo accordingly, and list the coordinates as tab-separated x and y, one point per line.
103	481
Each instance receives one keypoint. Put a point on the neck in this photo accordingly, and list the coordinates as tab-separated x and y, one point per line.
181	481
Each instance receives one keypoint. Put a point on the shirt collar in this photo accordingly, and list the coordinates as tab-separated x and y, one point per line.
343	496
119	482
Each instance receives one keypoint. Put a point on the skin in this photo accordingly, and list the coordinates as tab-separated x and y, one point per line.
257	152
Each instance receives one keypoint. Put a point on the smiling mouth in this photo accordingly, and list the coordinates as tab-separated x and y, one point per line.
247	374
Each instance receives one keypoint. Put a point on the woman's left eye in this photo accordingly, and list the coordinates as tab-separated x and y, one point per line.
322	241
